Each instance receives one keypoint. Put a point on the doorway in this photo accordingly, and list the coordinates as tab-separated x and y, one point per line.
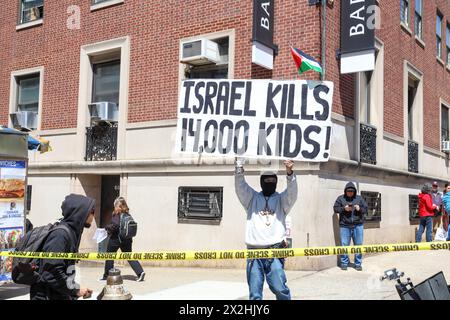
110	190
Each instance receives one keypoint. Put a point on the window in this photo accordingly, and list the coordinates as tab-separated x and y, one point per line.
366	80
439	35
200	203
373	200
413	207
404	11
412	89
31	10
366	87
447	41
418	18
444	123
28	93
106	81
100	4
218	70
411	94
26	98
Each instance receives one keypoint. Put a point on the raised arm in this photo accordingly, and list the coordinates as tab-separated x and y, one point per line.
244	192
289	196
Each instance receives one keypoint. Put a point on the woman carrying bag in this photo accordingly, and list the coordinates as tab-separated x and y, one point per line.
118	240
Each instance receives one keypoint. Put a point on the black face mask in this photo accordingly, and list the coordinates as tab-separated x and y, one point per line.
268	188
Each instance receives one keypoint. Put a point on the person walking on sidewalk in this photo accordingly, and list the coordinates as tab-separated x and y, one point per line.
115	242
266	228
56	275
426	213
351	209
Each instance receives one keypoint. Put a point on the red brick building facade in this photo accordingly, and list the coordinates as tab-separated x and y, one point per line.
154	30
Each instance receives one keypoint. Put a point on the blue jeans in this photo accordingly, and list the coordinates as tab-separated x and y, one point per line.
428	223
273	271
347	234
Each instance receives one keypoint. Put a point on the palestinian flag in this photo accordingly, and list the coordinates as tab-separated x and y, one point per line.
305	62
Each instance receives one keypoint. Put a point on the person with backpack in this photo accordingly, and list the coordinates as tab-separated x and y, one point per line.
53	279
426	213
121	231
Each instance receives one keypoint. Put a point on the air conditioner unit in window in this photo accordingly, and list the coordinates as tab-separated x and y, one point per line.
446	146
24	120
104	111
200	52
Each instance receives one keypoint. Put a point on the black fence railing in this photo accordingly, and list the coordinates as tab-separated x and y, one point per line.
368	144
101	142
413	156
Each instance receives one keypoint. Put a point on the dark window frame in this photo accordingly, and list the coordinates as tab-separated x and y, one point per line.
445	132
418	20
373	201
447	43
95	66
18	79
439	36
188	210
404	19
38	10
94	2
413	206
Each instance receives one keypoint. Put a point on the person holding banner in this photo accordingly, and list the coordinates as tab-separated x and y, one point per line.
266	228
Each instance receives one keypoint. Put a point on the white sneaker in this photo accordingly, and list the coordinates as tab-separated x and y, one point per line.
141	277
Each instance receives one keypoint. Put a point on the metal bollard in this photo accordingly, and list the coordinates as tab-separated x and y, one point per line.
114	289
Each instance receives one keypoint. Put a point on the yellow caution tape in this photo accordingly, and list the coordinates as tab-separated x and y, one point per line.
233	254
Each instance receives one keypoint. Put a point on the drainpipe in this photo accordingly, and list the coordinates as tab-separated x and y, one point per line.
323	36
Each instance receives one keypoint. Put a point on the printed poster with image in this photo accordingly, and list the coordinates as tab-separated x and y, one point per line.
12	210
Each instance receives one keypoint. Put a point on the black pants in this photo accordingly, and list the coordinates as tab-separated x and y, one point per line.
125	246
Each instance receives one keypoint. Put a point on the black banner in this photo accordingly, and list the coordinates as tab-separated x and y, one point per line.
357	34
263	21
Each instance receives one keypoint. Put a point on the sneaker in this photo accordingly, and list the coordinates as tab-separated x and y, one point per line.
358	268
141	277
344	268
103	278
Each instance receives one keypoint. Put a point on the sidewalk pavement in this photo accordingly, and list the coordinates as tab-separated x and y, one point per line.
230	284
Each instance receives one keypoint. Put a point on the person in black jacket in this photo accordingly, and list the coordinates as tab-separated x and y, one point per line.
57	276
351	209
115	243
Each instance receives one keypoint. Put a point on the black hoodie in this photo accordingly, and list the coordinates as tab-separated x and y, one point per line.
58	276
352	218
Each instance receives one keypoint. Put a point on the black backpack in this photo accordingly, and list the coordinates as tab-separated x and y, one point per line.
26	270
128	227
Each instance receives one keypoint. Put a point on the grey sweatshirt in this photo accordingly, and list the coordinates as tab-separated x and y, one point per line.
265	230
